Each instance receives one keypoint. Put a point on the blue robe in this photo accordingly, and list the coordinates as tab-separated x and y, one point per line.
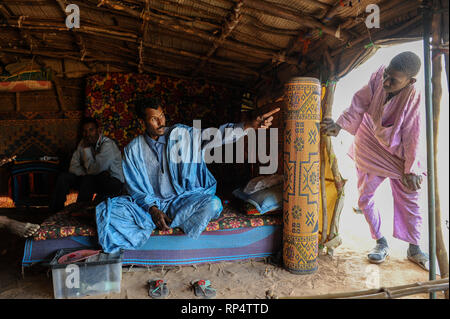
184	190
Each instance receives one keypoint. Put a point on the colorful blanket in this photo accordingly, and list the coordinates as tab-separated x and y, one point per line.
81	222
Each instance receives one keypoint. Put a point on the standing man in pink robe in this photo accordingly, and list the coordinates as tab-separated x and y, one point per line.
384	117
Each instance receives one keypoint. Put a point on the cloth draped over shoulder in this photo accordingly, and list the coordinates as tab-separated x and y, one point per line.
124	222
387	141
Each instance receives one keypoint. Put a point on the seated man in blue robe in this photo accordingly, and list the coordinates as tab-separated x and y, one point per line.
167	180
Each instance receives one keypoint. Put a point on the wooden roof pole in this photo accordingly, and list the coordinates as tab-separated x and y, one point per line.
144	31
122	36
122	61
181	26
227	28
252	23
88	27
275	10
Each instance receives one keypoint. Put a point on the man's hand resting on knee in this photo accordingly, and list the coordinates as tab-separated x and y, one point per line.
160	219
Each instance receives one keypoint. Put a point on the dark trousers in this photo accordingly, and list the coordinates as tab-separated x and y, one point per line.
102	184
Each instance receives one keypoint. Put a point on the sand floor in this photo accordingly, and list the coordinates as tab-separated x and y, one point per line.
347	270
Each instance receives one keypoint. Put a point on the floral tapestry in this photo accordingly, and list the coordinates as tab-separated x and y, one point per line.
110	99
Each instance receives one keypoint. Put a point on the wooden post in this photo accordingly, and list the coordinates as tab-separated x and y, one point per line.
436	61
427	21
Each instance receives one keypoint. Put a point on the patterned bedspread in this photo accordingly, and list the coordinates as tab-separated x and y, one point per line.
76	220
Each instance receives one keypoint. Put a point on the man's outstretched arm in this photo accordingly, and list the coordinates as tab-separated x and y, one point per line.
230	132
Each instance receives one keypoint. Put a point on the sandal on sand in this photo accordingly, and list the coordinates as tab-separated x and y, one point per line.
421	259
378	254
158	288
202	289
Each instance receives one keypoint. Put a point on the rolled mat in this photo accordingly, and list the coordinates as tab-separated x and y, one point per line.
301	175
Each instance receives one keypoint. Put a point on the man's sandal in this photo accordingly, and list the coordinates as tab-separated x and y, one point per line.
421	259
378	254
158	288
202	289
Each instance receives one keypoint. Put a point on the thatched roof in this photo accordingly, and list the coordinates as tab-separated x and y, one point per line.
229	41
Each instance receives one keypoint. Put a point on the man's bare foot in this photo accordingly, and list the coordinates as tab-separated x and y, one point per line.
20	228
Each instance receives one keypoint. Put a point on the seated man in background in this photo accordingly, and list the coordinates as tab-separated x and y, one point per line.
384	117
166	193
96	167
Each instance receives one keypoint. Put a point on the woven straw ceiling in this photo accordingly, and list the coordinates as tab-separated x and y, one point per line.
239	42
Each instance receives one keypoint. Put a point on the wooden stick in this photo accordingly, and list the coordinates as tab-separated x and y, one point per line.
323	193
385	293
325	114
339	182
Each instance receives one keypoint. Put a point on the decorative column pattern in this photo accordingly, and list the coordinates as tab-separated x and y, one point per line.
301	175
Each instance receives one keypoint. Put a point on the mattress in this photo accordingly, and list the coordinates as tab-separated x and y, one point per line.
234	236
172	250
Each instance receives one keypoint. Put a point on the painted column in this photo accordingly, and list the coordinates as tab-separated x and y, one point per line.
301	175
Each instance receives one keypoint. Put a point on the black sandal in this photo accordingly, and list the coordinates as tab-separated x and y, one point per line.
158	288
202	289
